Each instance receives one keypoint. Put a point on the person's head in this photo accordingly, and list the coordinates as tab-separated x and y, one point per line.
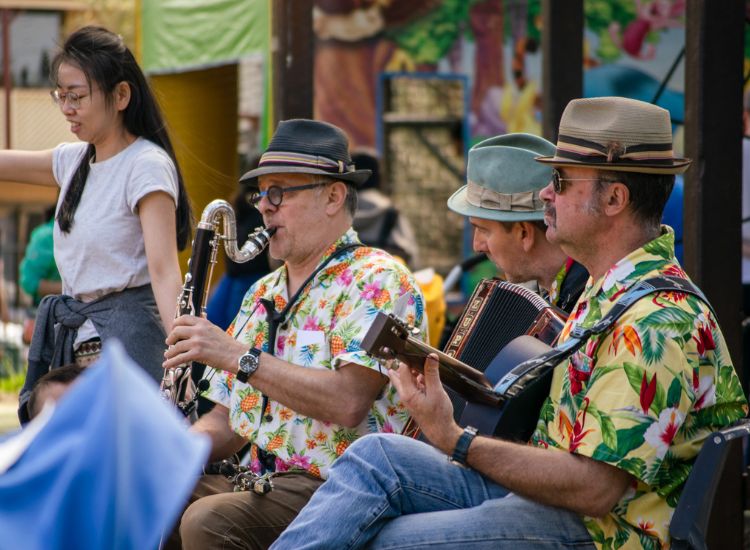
51	387
306	187
501	199
614	171
102	91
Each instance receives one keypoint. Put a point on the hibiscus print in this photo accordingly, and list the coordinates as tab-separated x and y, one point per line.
311	323
704	340
619	272
661	433
705	391
299	461
370	292
346	278
657	372
331	301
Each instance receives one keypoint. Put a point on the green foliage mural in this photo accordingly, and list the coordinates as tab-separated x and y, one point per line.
430	38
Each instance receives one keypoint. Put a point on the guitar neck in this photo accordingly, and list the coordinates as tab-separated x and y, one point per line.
460	377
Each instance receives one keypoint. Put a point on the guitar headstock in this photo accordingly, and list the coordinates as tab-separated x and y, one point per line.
386	339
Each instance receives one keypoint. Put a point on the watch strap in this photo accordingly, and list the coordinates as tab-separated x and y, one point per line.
461	452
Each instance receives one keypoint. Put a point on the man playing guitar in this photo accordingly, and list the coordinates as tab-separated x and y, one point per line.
625	416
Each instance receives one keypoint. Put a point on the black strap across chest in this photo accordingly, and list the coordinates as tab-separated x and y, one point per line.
277	318
512	383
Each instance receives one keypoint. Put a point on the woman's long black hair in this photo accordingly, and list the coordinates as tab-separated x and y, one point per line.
106	61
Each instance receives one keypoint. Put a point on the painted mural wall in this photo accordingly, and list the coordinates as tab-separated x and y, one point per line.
629	48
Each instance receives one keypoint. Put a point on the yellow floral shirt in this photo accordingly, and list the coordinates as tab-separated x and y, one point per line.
642	396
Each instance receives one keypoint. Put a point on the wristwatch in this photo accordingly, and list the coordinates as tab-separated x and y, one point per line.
462	446
247	364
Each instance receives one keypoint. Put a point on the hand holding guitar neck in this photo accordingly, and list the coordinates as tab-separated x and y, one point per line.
389	338
427	402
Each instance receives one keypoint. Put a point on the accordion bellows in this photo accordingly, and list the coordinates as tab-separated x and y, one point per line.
496	313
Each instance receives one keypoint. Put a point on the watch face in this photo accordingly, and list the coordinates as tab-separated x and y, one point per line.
247	365
246	361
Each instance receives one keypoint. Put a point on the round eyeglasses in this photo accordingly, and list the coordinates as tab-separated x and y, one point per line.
557	181
73	99
275	194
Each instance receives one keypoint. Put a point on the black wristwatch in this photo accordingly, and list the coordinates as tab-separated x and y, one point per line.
462	447
248	364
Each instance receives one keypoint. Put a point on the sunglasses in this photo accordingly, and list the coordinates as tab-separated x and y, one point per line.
275	194
558	185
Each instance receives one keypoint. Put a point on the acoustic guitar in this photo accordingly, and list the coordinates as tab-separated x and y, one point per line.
503	401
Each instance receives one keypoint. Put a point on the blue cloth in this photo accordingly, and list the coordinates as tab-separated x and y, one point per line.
225	302
390	491
112	467
672	215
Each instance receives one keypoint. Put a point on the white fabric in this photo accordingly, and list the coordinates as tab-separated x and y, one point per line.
104	251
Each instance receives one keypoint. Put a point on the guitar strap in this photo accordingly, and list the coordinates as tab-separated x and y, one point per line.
514	381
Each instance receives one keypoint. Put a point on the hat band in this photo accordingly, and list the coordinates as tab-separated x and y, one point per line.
481	197
592	152
284	158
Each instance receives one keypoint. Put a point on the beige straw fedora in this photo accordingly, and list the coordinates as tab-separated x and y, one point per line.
616	133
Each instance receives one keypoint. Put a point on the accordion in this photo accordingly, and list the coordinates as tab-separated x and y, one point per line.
496	313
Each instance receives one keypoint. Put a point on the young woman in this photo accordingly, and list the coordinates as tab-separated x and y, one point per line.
122	214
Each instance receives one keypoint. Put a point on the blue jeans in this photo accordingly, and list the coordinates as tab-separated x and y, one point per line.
390	491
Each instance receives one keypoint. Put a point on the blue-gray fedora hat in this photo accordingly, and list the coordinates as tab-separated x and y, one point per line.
504	180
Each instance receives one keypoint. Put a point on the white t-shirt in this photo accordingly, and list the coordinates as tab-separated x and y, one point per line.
104	251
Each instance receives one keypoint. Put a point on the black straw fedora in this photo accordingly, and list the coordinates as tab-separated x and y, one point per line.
302	146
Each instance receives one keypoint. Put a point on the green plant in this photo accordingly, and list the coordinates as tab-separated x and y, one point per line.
13	383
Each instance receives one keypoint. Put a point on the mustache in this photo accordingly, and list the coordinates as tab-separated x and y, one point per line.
550	215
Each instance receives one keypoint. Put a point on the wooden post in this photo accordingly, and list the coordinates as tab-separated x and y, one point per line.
562	60
712	210
292	44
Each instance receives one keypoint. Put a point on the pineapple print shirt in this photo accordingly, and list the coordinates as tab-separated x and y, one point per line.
324	331
642	396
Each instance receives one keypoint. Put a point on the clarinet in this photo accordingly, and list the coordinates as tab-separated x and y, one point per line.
176	384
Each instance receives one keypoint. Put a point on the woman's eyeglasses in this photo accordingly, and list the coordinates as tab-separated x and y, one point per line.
73	99
275	194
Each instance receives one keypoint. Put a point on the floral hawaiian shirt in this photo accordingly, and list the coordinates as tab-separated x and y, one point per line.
324	331
642	396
